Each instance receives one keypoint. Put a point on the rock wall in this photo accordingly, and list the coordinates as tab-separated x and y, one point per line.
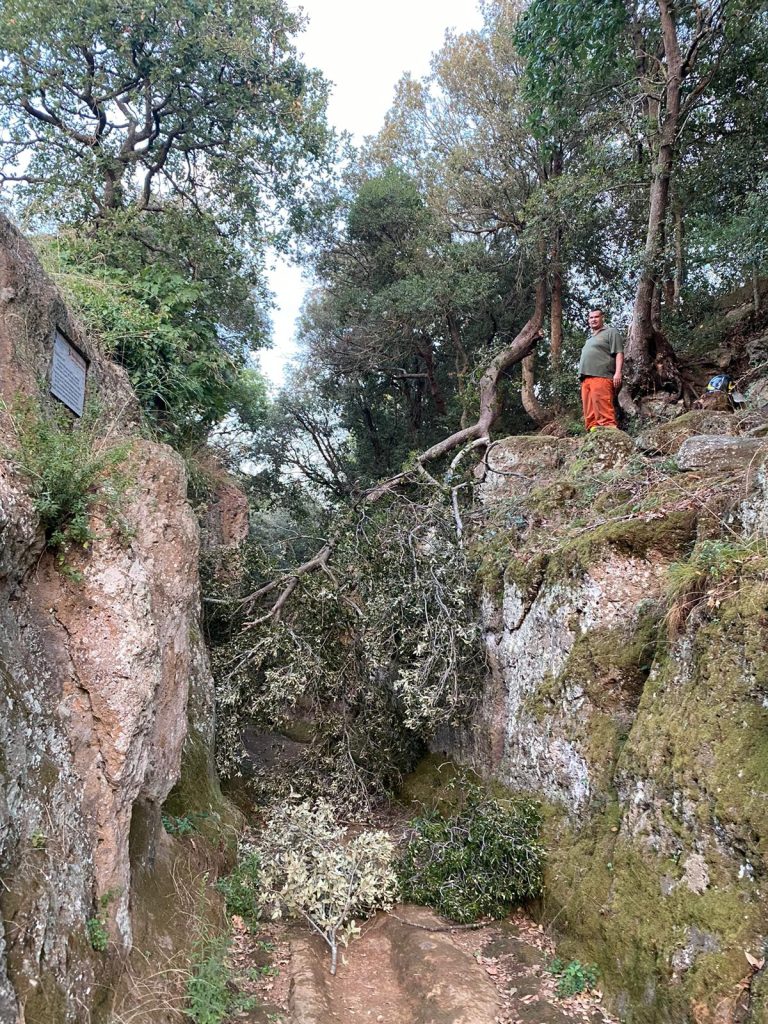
94	684
632	699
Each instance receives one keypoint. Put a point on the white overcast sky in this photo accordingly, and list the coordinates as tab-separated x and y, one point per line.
363	48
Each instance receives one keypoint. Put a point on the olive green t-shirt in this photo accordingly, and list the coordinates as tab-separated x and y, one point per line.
598	357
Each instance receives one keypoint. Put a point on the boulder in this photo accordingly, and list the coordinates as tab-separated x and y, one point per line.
666	438
757	394
719	454
513	463
658	408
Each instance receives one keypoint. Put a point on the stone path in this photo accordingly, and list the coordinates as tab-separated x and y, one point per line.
407	969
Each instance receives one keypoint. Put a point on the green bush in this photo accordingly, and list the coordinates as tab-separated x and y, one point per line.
73	470
573	978
182	335
713	571
178	825
97	933
211	997
96	927
481	861
241	887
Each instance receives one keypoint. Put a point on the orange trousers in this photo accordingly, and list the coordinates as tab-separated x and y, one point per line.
597	402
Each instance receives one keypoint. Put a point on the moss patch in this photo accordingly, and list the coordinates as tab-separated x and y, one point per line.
198	795
666	438
669	534
630	913
435	784
611	665
701	736
704	733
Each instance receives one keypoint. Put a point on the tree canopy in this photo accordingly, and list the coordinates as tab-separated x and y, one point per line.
168	146
106	105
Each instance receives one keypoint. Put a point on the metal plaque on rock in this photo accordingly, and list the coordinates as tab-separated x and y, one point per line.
68	373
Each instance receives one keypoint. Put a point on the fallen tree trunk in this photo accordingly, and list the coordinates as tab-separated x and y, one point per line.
522	345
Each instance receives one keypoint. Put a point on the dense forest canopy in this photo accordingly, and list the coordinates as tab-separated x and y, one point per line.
613	152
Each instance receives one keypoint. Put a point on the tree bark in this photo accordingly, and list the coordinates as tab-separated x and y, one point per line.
556	305
538	413
427	354
658	291
640	376
462	359
679	282
556	279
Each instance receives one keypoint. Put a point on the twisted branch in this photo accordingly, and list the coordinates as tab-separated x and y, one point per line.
474	436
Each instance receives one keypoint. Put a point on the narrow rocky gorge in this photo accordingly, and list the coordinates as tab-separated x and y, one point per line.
634	714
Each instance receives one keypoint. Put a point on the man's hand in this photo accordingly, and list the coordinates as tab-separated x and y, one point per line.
617	372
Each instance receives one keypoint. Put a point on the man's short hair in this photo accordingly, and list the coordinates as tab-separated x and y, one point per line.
596	309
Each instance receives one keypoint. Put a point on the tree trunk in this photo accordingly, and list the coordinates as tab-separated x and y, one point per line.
556	305
556	279
639	348
426	352
641	376
679	256
755	289
656	306
462	359
538	413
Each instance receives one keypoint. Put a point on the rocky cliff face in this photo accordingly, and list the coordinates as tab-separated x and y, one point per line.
626	609
94	683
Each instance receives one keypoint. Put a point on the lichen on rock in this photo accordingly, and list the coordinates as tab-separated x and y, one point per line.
647	746
95	669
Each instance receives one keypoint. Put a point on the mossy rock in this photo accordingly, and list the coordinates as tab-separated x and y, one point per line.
758	1005
42	996
616	904
436	784
624	900
707	731
527	574
611	665
666	438
197	796
606	444
668	534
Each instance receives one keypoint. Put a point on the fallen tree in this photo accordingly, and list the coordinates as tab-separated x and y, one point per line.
469	438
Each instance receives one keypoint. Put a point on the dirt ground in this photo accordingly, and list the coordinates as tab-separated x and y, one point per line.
412	967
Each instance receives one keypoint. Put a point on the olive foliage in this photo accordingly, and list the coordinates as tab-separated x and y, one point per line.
311	869
370	656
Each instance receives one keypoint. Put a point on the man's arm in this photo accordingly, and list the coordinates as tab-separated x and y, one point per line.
618	372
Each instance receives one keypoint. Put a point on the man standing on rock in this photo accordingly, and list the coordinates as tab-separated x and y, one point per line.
600	368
